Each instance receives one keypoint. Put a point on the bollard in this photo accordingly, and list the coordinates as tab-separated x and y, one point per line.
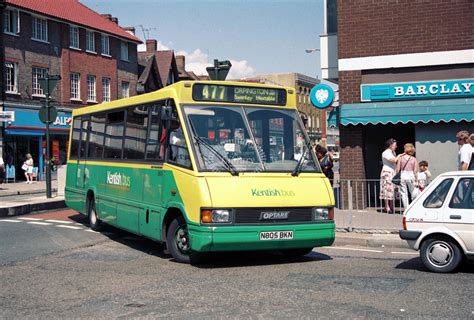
349	203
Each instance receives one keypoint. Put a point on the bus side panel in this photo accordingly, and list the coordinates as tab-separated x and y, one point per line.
150	217
192	193
150	223
75	197
107	209
127	217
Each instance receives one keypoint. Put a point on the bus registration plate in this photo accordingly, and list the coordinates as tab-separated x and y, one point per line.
276	235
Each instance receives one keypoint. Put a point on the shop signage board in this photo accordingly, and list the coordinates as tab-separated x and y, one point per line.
321	96
7	116
30	119
417	90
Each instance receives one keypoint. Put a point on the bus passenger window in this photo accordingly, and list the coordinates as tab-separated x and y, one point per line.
96	136
76	136
152	152
83	143
114	135
178	149
135	133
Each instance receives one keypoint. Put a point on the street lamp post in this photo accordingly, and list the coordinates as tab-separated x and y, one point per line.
47	115
311	50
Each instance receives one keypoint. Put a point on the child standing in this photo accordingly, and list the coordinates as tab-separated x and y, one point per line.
424	176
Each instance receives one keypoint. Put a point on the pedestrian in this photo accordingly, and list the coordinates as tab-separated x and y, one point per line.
389	164
2	169
424	176
471	141
465	150
325	161
28	168
408	168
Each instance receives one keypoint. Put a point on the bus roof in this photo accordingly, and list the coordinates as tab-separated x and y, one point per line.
182	92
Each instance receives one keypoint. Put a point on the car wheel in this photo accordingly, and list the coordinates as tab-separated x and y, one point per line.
295	253
440	254
178	244
94	222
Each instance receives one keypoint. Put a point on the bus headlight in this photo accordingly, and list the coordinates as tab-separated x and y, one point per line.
321	214
215	215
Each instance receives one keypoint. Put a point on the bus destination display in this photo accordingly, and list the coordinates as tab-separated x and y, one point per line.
237	94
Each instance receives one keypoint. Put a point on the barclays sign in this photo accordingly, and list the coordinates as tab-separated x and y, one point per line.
417	90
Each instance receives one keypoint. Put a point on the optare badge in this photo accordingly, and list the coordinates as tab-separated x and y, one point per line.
321	96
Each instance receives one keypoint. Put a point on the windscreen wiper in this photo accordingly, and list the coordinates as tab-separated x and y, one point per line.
200	141
299	165
232	169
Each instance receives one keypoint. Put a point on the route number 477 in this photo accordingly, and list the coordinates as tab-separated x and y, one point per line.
210	92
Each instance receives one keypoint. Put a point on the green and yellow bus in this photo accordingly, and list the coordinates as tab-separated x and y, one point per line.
202	166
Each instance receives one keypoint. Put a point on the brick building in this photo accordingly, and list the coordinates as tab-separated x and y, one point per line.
95	57
405	71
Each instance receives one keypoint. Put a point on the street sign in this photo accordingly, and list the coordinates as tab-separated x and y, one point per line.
7	116
52	79
220	70
43	114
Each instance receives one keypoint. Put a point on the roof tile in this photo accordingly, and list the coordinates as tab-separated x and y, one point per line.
75	12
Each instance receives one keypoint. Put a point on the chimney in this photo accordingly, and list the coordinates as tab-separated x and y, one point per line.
107	16
151	45
130	30
114	20
181	62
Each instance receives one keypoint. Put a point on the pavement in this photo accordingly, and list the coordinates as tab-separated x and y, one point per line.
368	228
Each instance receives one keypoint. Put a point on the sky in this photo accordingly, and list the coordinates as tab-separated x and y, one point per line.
257	36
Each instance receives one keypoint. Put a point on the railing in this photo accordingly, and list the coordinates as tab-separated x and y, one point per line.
362	195
361	207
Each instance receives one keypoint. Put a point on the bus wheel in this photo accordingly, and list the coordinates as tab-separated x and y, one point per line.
94	221
177	240
295	253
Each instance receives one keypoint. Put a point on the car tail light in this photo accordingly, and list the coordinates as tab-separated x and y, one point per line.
404	222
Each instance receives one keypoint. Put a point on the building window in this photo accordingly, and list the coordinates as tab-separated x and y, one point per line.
170	77
124	50
74	37
125	89
75	86
106	89
331	16
91	93
38	73
40	29
105	50
11	73
11	21
90	41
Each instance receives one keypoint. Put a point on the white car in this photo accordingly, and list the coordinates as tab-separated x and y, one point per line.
440	221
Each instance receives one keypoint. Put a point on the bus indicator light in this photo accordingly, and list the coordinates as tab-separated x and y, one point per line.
206	216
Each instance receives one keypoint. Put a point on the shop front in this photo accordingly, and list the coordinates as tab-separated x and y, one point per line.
27	134
427	114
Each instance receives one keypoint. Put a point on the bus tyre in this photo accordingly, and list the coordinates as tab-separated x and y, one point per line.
440	254
94	221
295	253
177	241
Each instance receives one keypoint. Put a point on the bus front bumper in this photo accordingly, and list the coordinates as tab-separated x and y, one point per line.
246	238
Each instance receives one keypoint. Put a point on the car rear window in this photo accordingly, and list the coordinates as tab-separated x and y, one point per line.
438	195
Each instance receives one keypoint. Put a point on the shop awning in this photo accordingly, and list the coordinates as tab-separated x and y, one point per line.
424	111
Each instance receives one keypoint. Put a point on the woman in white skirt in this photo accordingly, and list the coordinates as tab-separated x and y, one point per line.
389	161
408	168
28	167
